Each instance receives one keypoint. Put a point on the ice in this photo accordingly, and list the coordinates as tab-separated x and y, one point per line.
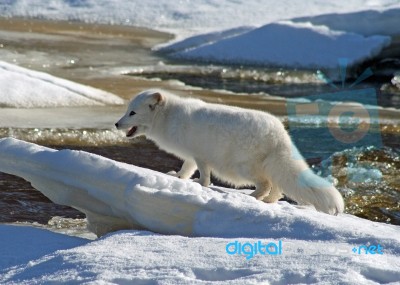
272	45
203	39
355	169
194	223
24	88
65	136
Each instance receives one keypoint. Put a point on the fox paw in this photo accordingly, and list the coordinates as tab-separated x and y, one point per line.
259	195
173	173
270	199
202	182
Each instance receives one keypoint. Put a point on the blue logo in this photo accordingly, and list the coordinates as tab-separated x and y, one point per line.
372	249
347	117
251	249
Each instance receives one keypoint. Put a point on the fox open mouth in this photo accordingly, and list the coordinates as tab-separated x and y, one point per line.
131	132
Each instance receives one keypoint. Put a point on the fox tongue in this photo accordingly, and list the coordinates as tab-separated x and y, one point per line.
131	131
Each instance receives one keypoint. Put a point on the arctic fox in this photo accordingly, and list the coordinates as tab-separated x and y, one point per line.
239	146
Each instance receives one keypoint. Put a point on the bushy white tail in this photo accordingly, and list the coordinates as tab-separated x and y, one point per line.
299	183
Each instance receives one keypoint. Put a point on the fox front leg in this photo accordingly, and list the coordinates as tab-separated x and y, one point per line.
187	169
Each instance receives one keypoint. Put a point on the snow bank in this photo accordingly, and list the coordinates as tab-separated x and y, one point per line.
289	44
139	257
366	23
185	17
316	248
24	88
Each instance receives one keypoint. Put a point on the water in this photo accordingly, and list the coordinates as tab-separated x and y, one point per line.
366	173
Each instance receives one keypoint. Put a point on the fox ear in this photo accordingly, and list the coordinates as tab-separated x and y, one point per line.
158	100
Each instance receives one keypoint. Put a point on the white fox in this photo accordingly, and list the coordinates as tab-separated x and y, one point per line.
239	146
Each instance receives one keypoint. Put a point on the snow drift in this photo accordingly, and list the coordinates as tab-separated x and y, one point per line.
280	44
317	248
24	88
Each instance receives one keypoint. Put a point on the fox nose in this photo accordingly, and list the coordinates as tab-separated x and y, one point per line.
116	125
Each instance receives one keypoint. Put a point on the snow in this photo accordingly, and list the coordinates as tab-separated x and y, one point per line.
20	244
139	257
385	22
24	88
396	80
290	33
194	226
184	17
273	45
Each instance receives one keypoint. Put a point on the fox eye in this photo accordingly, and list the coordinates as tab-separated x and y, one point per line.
132	113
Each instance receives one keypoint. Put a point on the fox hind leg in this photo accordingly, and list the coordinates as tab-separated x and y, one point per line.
205	173
263	189
274	195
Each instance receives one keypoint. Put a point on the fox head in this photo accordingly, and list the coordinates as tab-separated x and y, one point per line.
140	113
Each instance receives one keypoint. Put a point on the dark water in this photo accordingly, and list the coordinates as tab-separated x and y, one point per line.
20	202
285	83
